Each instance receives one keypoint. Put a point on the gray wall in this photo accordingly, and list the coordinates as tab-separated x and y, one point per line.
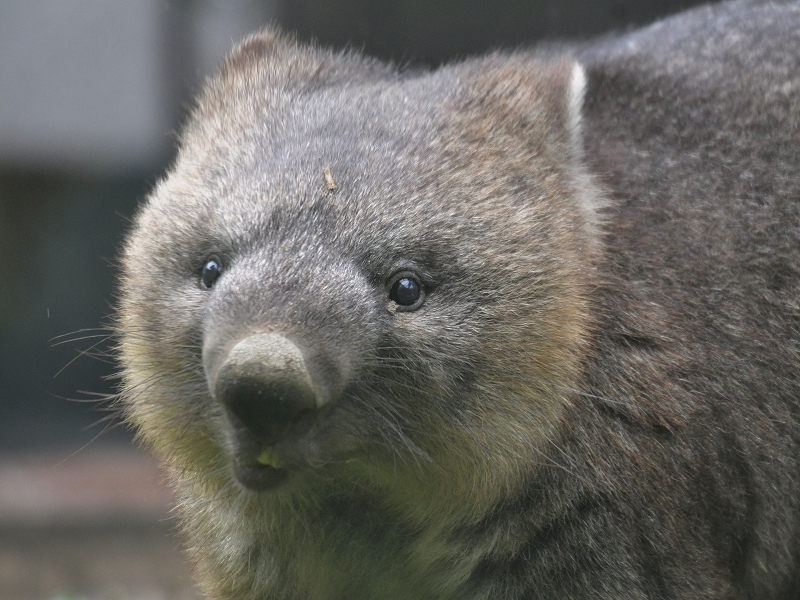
91	93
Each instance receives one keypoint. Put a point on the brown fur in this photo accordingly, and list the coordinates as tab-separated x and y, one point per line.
598	396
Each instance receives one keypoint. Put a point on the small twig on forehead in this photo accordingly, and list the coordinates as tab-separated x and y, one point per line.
329	182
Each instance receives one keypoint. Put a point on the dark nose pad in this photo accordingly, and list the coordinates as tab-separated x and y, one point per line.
265	385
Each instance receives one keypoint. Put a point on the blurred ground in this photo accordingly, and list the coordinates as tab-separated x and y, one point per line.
93	526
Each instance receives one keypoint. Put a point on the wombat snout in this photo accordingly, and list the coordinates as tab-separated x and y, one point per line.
263	382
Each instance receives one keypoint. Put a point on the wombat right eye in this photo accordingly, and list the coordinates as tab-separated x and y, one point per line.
211	272
406	292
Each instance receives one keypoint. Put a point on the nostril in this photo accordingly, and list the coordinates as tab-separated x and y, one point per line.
264	385
266	408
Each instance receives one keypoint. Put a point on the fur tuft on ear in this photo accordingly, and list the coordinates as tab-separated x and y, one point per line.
529	108
271	57
577	90
260	77
516	91
257	47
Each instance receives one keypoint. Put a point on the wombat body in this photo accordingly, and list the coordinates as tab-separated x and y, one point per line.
526	326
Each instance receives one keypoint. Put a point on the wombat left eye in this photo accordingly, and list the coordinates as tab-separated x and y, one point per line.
406	291
211	272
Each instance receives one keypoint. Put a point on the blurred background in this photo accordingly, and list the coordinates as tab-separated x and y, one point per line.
91	95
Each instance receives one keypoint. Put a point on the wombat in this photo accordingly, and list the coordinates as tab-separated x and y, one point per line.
524	326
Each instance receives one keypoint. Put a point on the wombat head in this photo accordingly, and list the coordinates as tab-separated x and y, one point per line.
353	274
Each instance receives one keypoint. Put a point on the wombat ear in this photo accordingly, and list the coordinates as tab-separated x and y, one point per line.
537	97
528	110
258	47
272	57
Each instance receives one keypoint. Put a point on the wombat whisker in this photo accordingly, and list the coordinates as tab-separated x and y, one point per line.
410	387
144	386
94	331
388	415
86	352
73	340
105	358
109	422
569	389
107	427
100	398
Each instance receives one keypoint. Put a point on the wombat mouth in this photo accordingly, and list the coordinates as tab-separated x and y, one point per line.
261	465
255	465
259	477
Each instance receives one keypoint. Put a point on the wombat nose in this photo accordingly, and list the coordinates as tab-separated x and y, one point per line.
264	383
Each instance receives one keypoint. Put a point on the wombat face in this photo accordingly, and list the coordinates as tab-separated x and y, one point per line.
357	275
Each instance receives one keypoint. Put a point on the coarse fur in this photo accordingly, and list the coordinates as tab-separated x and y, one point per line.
597	395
